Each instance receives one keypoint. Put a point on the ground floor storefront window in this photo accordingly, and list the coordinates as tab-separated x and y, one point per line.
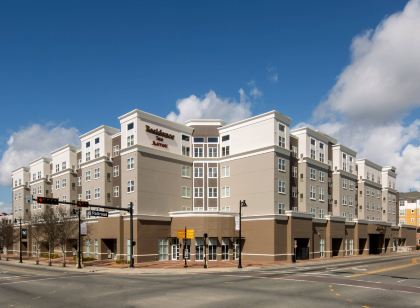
212	249
175	249
225	249
199	249
322	248
163	249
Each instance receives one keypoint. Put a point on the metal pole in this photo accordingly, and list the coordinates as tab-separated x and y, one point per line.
240	234
131	236
79	251
205	250
185	247
20	240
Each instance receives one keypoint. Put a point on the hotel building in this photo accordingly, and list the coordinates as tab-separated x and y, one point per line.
307	195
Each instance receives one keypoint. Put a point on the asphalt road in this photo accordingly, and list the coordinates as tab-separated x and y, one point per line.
371	282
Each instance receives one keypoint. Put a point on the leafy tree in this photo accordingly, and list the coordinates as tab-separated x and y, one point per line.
66	229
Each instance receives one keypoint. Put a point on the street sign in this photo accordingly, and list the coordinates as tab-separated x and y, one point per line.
97	213
190	234
83	228
236	223
24	234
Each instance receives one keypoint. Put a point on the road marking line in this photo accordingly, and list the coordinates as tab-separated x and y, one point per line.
387	269
40	279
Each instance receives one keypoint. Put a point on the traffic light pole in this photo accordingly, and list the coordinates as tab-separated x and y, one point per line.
131	236
20	240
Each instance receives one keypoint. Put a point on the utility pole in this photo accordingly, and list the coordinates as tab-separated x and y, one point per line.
241	204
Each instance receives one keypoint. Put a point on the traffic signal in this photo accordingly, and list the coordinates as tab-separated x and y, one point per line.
82	203
45	200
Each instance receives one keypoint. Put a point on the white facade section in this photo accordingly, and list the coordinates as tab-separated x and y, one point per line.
40	169
313	144
63	158
388	177
20	177
367	170
343	159
97	142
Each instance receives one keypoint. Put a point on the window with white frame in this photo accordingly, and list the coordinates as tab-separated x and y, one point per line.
39	190
63	183
185	192
294	171
212	172
321	176
212	192
198	192
225	192
312	172
225	171
313	193
344	200
212	249
185	150
87	156
350	200
130	163
130	140
198	172
321	194
321	213
96	153
282	142
57	168
116	191
97	193
198	151
294	192
344	183
63	165
96	173
57	184
281	186
226	150
212	152
87	176
313	211
282	164
281	208
186	171
87	195
116	171
115	150
130	186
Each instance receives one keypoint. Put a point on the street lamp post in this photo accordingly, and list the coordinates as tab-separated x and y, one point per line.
20	239
242	203
205	250
130	205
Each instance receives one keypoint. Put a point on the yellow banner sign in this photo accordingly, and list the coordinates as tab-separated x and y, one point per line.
190	234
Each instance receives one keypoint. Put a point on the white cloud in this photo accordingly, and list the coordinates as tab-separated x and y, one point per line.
367	106
31	143
212	106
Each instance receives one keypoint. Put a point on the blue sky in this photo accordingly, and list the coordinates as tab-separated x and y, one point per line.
83	63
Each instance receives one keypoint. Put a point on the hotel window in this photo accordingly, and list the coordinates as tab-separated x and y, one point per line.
313	211
96	140
313	153
321	194
281	208
294	171
198	152
282	142
39	190
225	249
282	164
130	163
294	191
97	193
186	171
212	172
57	167
96	173
185	150
226	150
321	213
225	138
281	187
87	156
198	139
116	171
116	191
199	249
225	171
294	151
344	183
212	249
130	126
225	192
350	200
198	172
130	140
185	192
115	150
313	193
63	183
57	184
130	186
321	157
198	192
34	177
88	144
212	192
185	138
321	176
87	195
213	139
39	174
313	141
312	174
344	200
63	165
96	153
212	151
87	176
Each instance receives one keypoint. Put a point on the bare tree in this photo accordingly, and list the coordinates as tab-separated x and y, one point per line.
6	236
36	233
66	230
50	230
